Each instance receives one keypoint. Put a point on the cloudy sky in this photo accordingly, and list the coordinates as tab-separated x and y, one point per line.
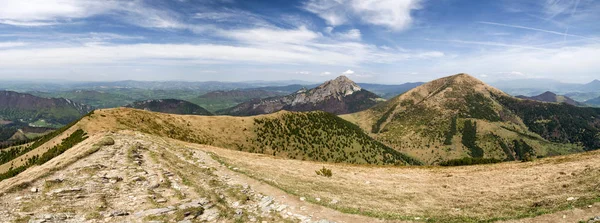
380	41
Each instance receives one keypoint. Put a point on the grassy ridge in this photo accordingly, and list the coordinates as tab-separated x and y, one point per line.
8	155
67	143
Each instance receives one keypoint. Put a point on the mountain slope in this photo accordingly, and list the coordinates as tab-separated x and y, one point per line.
593	102
171	106
338	96
218	100
553	98
28	108
460	116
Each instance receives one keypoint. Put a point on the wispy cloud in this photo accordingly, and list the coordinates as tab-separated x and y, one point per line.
485	43
538	30
12	44
392	14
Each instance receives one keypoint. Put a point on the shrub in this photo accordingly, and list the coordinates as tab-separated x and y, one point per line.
324	172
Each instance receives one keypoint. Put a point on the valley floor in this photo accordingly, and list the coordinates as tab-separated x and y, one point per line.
145	178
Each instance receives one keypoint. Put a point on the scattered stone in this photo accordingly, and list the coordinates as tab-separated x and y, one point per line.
318	199
417	218
334	201
161	200
185	221
18	198
194	204
324	221
65	191
571	199
209	215
153	212
34	190
594	220
265	203
120	213
281	208
154	186
238	212
367	182
302	198
590	206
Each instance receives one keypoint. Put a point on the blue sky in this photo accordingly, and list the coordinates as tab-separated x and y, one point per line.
379	41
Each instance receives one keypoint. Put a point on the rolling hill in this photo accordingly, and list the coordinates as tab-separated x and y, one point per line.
338	96
553	98
460	116
171	106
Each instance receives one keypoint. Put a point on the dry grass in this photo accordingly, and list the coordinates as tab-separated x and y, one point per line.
457	194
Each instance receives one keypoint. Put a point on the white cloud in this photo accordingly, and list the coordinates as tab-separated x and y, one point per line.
326	73
303	72
557	63
46	12
332	11
55	12
260	36
328	29
12	44
348	72
392	14
353	34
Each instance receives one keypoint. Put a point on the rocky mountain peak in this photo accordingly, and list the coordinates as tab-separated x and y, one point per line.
342	85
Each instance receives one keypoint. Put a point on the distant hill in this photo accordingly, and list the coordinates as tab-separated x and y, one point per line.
171	106
338	96
29	108
218	100
389	91
552	97
593	102
460	116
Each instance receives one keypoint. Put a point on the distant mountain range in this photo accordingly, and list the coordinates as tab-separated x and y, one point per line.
552	97
338	96
218	100
530	87
171	106
29	108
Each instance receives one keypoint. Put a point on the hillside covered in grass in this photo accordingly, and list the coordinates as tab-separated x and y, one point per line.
459	116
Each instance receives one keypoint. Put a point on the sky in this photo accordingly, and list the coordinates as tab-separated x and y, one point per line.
377	41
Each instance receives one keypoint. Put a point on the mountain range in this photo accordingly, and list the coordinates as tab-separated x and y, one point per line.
126	164
552	97
338	96
530	87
